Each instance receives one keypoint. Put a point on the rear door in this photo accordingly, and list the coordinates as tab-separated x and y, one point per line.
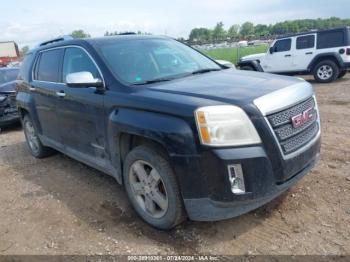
305	51
281	59
80	111
44	87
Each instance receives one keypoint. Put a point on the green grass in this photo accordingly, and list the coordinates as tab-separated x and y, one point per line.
233	54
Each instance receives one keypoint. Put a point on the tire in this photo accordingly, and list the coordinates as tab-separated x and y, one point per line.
342	73
326	71
36	148
149	173
247	68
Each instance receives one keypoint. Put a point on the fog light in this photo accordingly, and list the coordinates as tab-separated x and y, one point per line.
236	178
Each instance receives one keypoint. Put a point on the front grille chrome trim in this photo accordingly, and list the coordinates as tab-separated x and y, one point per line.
305	147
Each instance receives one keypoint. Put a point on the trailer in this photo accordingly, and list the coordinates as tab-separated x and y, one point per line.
8	53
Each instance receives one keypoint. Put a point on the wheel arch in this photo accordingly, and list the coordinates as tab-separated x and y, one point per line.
128	128
335	57
255	64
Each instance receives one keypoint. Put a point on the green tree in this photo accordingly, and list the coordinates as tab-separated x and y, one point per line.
219	32
200	35
24	50
247	29
80	34
233	31
261	30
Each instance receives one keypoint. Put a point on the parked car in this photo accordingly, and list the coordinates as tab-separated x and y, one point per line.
186	136
8	108
324	53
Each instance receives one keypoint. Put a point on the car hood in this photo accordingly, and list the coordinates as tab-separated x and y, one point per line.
8	87
229	86
253	57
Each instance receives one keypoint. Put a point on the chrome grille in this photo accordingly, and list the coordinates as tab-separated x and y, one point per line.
290	138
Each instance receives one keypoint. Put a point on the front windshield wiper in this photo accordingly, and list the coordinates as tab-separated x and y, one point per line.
157	80
205	70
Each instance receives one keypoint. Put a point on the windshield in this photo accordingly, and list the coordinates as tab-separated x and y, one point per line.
8	75
141	61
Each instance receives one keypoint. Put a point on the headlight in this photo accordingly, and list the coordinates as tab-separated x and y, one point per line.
225	126
2	98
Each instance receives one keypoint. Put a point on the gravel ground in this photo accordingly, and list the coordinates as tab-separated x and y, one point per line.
59	206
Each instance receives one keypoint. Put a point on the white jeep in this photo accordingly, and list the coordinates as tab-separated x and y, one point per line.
323	53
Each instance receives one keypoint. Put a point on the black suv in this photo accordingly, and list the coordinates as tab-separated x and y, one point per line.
187	137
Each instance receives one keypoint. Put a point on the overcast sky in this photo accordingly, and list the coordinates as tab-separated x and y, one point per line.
29	22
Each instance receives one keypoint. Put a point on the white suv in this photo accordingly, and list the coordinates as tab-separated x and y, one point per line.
324	53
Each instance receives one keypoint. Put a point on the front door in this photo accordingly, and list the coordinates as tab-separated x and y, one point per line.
80	110
280	59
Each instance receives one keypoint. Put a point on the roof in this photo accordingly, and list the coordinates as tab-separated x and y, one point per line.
53	43
313	32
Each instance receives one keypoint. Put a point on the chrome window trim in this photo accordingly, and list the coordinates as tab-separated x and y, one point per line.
64	47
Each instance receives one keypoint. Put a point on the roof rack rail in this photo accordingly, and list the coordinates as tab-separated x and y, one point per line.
58	39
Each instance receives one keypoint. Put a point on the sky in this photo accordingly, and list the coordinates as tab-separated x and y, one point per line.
30	22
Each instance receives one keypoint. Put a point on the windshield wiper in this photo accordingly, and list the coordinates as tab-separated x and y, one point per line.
205	70
157	80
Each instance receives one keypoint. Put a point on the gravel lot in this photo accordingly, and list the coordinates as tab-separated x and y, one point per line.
59	206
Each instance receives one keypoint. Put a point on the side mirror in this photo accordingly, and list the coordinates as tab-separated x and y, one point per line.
272	50
83	79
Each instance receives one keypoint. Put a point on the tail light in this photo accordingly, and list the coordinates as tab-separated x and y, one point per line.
348	51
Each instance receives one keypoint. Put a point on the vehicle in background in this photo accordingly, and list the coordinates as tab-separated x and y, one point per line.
323	53
226	63
186	136
8	108
8	53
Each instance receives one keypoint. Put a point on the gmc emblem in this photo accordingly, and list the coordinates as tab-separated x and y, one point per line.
302	118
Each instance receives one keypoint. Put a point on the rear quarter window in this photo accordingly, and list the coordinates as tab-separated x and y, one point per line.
25	69
331	39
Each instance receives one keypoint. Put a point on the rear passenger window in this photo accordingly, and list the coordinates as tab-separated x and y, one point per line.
330	39
304	42
48	66
283	45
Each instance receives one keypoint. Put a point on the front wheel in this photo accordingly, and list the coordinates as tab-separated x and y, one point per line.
152	188
326	71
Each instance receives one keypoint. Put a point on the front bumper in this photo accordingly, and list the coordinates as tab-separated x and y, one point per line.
206	188
346	65
6	120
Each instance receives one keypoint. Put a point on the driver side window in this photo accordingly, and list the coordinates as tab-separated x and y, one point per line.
282	45
77	60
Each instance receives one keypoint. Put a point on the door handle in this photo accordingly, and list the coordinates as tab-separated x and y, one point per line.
61	94
308	53
32	89
287	55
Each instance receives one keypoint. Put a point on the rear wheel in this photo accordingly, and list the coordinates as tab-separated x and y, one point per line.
247	68
342	74
152	188
326	71
34	144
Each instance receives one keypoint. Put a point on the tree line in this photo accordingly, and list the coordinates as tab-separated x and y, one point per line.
250	31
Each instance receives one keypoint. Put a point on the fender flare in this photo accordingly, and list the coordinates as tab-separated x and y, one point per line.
332	55
253	63
171	132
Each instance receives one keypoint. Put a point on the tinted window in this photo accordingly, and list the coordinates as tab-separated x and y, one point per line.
304	42
8	75
142	60
77	60
283	45
330	39
25	67
48	66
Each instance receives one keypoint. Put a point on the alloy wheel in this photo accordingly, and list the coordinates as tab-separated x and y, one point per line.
148	189
325	72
